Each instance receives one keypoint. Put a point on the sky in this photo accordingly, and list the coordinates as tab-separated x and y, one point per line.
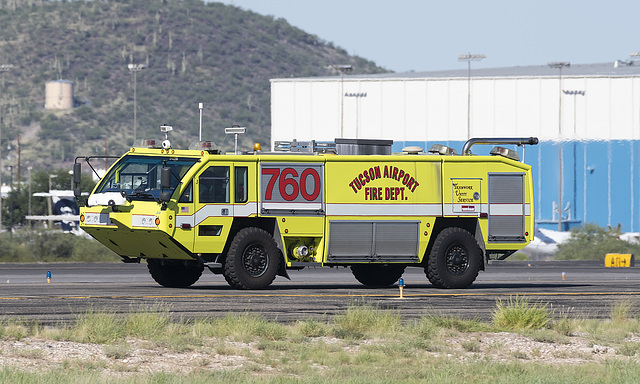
427	35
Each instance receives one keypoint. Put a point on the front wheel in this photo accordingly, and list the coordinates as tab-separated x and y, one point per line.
377	275
455	259
253	259
175	273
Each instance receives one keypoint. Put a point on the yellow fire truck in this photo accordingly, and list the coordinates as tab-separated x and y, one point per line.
253	215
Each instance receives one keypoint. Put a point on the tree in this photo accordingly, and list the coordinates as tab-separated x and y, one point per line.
592	242
16	206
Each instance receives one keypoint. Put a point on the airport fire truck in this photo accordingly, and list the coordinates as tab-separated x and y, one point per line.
253	215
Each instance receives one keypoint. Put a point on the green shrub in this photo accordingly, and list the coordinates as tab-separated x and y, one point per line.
361	321
117	351
629	349
52	246
564	325
520	313
97	327
14	251
147	323
244	327
459	324
592	242
26	245
311	328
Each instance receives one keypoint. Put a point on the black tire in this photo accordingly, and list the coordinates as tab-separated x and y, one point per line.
377	275
253	259
175	273
455	259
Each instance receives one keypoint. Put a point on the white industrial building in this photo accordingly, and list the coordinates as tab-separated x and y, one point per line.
587	118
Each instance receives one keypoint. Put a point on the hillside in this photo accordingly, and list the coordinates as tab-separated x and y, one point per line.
212	53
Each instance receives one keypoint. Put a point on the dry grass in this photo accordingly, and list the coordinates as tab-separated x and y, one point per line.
363	344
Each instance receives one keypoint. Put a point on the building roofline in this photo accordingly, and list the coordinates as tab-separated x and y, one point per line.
611	69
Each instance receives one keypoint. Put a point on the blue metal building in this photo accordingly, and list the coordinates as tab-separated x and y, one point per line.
587	118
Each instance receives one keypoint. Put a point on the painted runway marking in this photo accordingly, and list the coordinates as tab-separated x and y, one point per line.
392	295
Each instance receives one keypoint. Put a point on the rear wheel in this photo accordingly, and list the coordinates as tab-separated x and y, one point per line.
377	275
253	259
175	273
455	259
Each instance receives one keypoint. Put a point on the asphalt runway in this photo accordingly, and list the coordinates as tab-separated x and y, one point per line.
588	289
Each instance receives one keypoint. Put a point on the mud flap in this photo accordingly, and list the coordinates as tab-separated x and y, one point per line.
282	271
480	240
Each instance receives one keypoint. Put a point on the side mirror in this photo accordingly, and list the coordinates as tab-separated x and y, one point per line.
77	176
165	178
165	196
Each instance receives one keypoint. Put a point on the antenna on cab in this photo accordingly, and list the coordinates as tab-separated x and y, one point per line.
235	130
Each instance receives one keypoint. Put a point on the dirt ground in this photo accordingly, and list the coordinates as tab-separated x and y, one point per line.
140	356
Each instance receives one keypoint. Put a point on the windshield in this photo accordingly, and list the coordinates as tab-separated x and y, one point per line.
139	176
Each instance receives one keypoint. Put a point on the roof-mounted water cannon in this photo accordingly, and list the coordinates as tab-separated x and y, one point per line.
466	149
204	146
166	144
505	152
145	143
235	130
442	150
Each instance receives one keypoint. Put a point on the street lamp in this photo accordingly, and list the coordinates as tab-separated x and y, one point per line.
3	68
469	58
357	96
342	68
29	168
135	68
575	94
50	201
51	177
10	198
559	65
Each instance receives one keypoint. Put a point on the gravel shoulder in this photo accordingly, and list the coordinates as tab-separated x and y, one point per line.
138	356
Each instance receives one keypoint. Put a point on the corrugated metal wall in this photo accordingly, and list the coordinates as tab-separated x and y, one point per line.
599	129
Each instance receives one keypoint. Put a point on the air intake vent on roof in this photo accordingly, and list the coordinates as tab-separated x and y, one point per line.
363	147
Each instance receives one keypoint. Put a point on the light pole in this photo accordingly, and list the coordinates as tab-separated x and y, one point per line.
135	68
29	168
469	58
637	55
342	68
10	199
50	201
559	65
3	68
575	94
51	177
357	96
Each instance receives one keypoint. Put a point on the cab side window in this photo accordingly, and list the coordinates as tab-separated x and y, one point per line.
242	184
187	195
214	185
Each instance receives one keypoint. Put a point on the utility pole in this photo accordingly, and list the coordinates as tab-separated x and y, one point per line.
3	69
29	168
342	68
135	68
574	93
559	65
469	58
18	162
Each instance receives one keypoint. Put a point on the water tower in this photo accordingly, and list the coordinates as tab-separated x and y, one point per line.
59	94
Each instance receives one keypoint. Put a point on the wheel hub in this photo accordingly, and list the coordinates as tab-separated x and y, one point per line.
255	260
457	260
